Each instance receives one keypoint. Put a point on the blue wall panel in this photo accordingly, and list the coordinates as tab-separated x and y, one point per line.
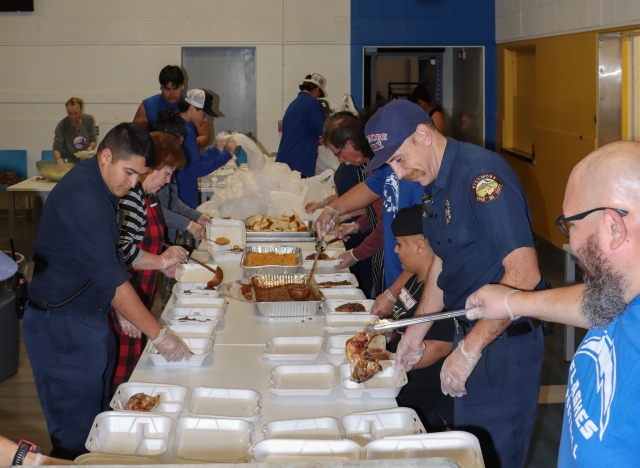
378	23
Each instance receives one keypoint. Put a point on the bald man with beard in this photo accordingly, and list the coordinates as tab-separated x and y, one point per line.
603	396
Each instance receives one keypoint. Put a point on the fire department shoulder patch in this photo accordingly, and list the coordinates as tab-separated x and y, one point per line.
486	187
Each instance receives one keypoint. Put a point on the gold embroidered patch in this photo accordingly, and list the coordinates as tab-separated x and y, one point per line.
486	188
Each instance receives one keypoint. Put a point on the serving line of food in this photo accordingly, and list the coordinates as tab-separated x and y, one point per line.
267	381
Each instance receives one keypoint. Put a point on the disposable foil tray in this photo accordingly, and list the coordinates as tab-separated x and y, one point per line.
213	440
288	308
270	269
129	433
284	236
172	397
226	403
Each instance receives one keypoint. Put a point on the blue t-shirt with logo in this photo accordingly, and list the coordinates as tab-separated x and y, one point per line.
154	104
603	397
396	194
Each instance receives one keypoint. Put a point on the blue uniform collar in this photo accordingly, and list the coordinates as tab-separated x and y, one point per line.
446	166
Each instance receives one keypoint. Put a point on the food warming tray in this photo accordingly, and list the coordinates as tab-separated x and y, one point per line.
271	269
225	403
293	348
288	308
172	397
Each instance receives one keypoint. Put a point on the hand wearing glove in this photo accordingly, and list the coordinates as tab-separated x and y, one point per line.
382	354
491	302
315	205
170	272
230	145
347	260
127	327
197	230
383	305
345	230
171	346
456	370
220	140
407	356
326	221
172	256
203	220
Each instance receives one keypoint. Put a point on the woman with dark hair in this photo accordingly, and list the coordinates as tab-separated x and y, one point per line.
420	95
194	110
141	237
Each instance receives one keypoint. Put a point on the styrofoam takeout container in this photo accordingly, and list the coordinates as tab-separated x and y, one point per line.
194	330
213	440
172	397
194	273
326	428
459	446
182	290
200	347
293	348
336	347
225	403
329	306
336	277
385	384
204	315
348	294
346	323
303	380
333	253
364	428
129	433
232	229
302	450
101	459
201	302
226	256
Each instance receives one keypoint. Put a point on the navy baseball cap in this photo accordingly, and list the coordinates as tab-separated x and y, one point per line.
389	127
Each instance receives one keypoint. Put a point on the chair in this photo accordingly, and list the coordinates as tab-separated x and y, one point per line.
13	161
47	154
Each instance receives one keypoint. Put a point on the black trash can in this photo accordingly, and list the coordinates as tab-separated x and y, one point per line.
9	332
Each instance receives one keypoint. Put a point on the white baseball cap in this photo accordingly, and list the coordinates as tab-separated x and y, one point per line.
202	100
318	80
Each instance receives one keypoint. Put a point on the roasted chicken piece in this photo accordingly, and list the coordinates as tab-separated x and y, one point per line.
142	402
363	364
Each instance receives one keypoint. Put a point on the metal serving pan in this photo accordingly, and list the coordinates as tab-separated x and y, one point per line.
271	269
284	236
287	309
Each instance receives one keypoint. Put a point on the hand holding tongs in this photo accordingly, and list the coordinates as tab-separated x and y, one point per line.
386	325
321	245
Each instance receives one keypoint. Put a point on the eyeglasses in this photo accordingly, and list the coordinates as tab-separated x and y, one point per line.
427	205
564	224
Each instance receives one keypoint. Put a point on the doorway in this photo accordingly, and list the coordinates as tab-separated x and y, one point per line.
454	77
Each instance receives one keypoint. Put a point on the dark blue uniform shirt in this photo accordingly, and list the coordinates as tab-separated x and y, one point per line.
480	215
302	126
77	241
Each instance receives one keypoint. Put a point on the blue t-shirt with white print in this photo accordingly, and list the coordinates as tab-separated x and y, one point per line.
603	397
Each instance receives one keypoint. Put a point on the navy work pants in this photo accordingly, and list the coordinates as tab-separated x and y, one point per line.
72	358
502	397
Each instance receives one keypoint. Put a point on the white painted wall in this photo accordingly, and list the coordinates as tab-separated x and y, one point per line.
524	19
109	52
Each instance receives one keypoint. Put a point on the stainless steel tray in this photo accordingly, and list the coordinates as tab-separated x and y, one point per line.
283	236
287	309
271	269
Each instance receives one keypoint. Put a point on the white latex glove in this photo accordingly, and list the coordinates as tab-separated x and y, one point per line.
171	346
230	144
173	255
345	230
491	302
326	221
315	205
383	305
456	370
220	140
347	260
382	354
127	327
407	356
197	230
203	220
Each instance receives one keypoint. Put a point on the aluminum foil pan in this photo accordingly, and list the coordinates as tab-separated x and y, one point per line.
284	236
290	308
271	269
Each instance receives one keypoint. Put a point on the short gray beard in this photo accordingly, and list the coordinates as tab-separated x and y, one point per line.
603	298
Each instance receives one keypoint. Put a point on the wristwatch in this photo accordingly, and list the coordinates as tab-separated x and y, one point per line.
24	447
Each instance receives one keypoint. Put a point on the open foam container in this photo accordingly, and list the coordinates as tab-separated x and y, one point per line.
225	403
329	306
232	229
293	348
207	316
345	323
172	397
98	459
336	347
201	302
194	330
333	253
336	277
200	349
182	290
346	293
194	273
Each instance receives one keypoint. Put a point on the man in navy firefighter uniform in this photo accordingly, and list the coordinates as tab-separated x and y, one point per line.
477	220
79	274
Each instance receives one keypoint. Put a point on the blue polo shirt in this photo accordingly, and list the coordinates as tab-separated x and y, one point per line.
154	104
77	241
396	194
480	215
302	126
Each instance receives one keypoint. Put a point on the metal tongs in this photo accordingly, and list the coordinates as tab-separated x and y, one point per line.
321	245
386	325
